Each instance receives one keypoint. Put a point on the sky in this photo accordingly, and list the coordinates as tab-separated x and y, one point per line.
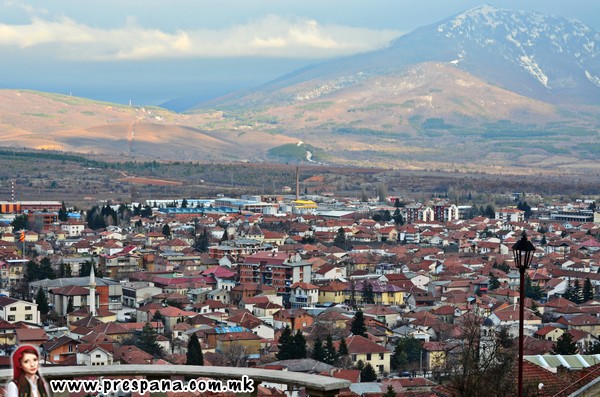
153	51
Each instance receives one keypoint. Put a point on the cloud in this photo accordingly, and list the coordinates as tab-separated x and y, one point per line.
271	35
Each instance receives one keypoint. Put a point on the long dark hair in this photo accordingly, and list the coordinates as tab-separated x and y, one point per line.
19	376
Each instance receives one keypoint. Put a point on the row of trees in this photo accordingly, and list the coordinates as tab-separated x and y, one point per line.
575	293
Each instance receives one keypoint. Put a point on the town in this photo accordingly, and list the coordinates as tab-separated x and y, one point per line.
400	298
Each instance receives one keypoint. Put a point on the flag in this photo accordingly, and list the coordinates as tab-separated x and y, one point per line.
22	237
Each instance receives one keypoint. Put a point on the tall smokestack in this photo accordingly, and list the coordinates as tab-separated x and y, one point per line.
297	183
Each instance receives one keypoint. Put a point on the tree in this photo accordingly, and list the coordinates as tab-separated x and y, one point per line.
46	270
391	392
494	282
286	345
194	354
565	345
358	326
318	352
236	354
147	341
544	241
397	217
367	293
299	345
343	348
407	353
21	222
368	374
157	316
588	290
62	213
340	238
331	355
32	271
70	306
166	230
202	241
481	359
42	302
184	203
532	291
225	235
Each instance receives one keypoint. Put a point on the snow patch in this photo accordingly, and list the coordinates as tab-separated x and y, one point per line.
534	69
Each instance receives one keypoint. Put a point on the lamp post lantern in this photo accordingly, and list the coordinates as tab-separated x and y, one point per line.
523	254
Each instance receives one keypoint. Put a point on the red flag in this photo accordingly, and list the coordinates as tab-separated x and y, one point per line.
22	237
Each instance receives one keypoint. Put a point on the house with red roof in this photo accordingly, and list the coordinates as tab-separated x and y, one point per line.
362	349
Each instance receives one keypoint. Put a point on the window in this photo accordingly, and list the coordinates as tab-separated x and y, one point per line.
98	356
11	318
13	309
27	307
28	317
369	357
354	358
381	356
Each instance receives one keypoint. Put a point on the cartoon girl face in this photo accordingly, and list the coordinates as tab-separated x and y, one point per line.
29	363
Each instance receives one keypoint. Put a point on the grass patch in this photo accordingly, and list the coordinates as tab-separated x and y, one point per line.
315	106
88	113
42	115
374	106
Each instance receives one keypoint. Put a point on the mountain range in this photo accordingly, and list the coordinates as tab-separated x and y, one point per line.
487	88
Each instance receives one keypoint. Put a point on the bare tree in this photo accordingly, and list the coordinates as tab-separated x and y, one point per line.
481	361
235	353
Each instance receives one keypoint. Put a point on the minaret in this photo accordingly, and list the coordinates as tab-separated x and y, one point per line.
92	286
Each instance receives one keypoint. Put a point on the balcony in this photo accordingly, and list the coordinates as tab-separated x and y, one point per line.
315	385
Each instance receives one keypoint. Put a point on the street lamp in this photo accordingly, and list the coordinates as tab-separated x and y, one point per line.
523	254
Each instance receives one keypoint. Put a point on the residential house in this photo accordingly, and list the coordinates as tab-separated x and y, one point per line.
15	310
367	351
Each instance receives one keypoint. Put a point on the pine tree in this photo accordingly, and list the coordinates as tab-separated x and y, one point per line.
32	271
318	352
494	283
147	341
194	354
202	241
286	345
225	235
368	374
62	213
299	343
70	306
343	348
184	203
358	327
42	302
391	392
68	271
565	345
166	230
46	270
577	292
331	355
588	290
340	239
397	217
368	296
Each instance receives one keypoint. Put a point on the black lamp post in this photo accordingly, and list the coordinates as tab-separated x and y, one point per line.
523	254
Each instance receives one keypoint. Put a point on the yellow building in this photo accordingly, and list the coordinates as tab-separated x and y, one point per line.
332	293
435	355
383	294
362	349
